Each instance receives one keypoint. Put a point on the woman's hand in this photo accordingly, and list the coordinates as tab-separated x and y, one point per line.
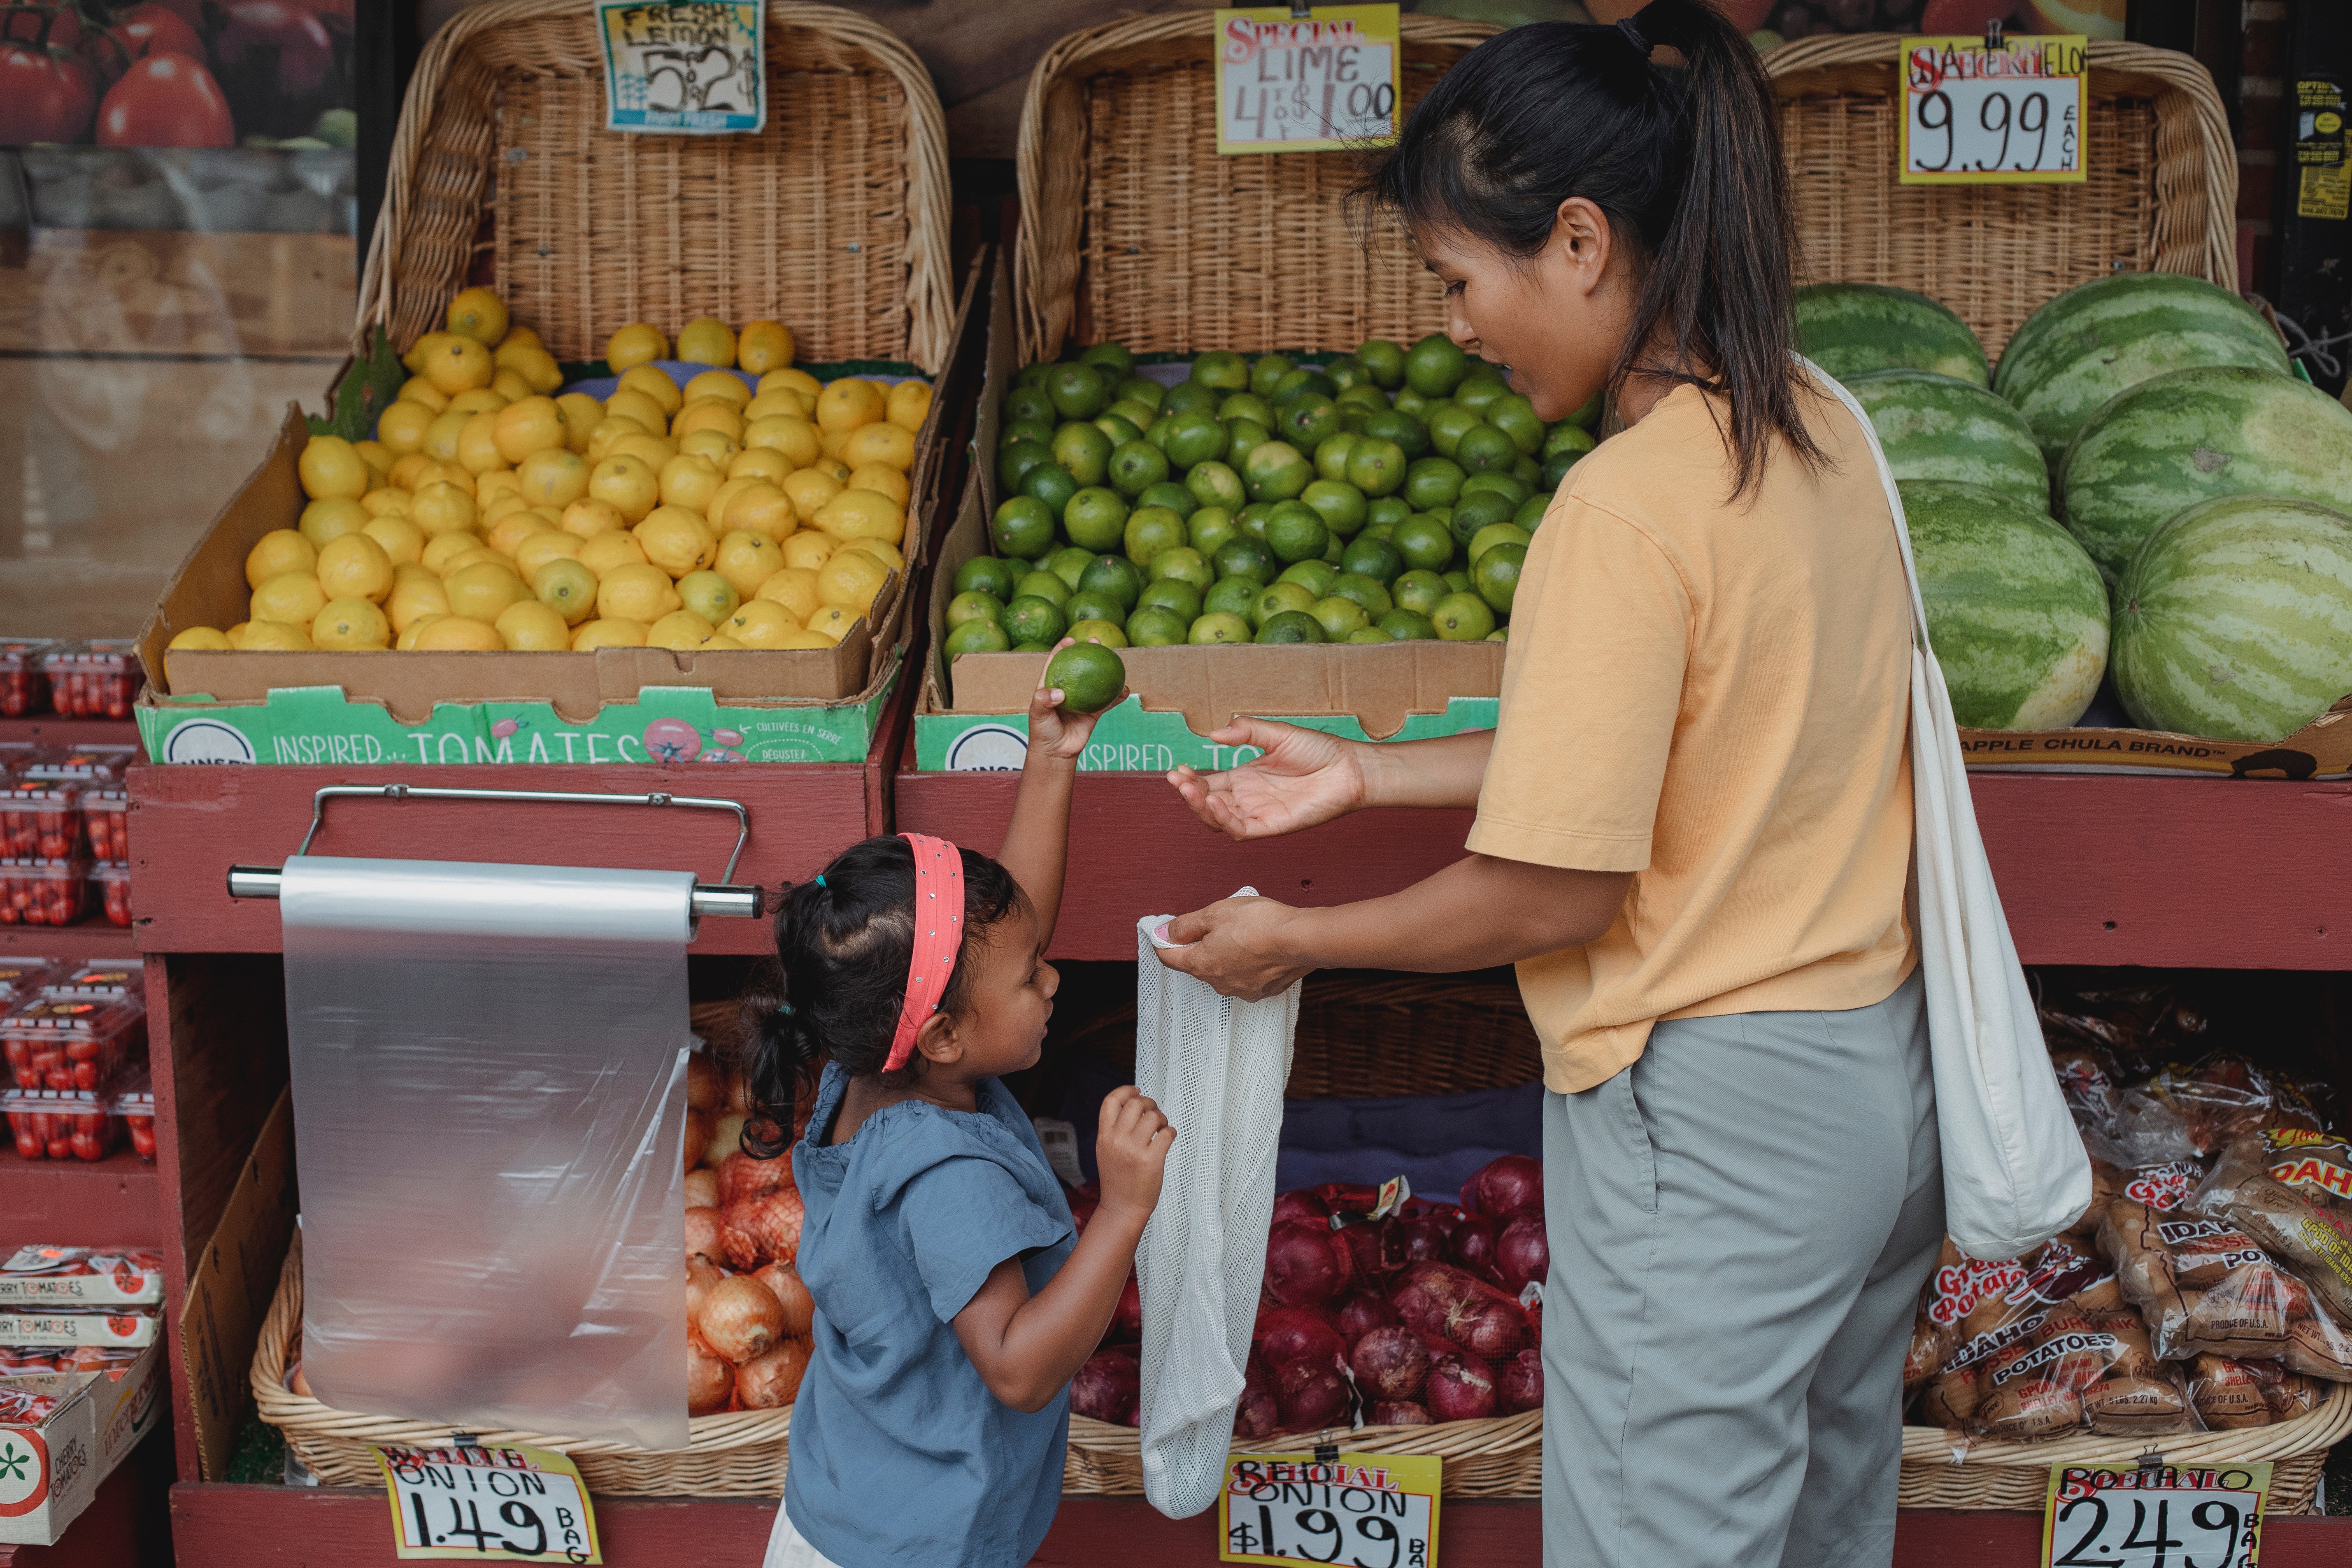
1304	777
1236	947
1055	732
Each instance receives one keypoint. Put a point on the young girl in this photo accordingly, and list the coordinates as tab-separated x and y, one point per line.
952	1308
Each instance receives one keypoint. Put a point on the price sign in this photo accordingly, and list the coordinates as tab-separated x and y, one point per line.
488	1505
688	68
2011	115
1305	83
1370	1511
2162	1516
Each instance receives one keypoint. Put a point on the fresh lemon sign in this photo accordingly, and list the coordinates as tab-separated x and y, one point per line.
1305	83
690	67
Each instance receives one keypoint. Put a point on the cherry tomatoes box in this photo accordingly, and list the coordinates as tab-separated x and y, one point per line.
82	1276
43	892
24	685
74	1045
84	765
116	977
136	1107
42	821
99	679
48	1124
22	976
106	823
111	885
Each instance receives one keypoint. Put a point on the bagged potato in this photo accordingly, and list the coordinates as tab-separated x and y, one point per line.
2288	1394
2206	1105
2228	1393
2081	1368
2202	1285
2290	1189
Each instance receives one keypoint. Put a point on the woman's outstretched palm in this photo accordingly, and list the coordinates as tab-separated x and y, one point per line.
1303	777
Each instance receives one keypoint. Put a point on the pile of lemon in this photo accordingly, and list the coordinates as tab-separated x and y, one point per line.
486	514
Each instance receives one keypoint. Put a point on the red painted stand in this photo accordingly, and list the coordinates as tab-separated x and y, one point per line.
117	1199
97	938
50	730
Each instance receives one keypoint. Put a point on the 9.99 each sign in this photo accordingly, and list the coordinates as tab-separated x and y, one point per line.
2007	116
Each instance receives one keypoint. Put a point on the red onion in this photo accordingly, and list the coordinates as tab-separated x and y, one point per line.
1367	1249
1390	1364
1285	1335
1437	1300
740	1318
1400	1412
1521	1385
1460	1389
1257	1415
1348	1197
1492	1328
1127	1322
1512	1181
1420	1238
1523	1252
1108	1387
1301	1205
1304	1266
1474	1244
1360	1314
1311	1395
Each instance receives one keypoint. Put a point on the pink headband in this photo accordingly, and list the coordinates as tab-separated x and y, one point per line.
939	936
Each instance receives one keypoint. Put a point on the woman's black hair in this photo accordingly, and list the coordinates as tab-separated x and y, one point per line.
835	987
1685	164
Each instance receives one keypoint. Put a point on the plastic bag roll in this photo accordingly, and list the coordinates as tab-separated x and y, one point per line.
488	1072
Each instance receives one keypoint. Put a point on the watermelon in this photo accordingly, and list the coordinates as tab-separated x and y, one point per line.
1940	428
1852	328
2016	611
2192	435
2099	338
2234	620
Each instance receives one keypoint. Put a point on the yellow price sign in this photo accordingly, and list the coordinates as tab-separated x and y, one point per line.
2153	1516
487	1504
1306	83
2007	115
1370	1511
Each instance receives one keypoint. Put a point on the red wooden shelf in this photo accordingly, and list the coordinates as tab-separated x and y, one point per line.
97	938
78	1203
48	729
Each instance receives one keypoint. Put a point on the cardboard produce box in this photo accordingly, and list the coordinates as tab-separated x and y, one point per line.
2320	749
63	1432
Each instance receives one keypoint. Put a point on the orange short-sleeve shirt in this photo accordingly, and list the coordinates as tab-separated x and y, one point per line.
1713	695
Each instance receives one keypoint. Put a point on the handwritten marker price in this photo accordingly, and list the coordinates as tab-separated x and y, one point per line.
2007	116
1289	84
493	1505
2166	1516
1367	1511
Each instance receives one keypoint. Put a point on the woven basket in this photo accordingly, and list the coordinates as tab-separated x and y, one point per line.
834	220
1499	1457
2161	196
1133	228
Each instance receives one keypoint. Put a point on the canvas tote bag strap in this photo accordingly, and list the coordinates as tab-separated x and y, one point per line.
1828	384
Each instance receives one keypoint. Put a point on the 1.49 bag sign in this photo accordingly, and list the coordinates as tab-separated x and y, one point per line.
1291	83
2010	115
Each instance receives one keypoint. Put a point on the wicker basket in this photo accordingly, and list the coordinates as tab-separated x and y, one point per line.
1499	1457
2161	196
1133	228
832	220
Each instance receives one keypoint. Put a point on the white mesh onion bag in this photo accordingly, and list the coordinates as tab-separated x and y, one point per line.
1217	1067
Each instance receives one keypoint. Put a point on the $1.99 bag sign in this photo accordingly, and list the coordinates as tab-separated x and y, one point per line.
488	1505
1309	83
2005	115
1369	1511
2161	1516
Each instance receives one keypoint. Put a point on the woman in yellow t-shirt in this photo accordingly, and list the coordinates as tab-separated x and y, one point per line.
1694	818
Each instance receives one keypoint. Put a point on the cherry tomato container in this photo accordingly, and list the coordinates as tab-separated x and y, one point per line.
24	684
110	888
48	1125
106	823
43	821
40	892
83	766
22	976
74	1045
114	977
136	1107
99	679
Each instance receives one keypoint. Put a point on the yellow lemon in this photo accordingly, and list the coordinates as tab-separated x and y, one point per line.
290	598
586	518
448	474
889	444
689	481
764	346
713	444
421	350
635	407
441	435
412	571
516	339
405	470
509	384
848	404
582	415
567	587
458	365
631	486
609	429
414	600
642	592
442	508
782	403
401	541
654	450
764	461
532	425
832	622
204	638
477	556
811	491
350	626
718	642
881	549
354	567
418	390
837	471
330	469
680	629
634	345
861	514
714	512
275	637
324	520
613	631
746	560
481	400
495	484
719	383
881	480
793	587
708	414
907	405
675	540
481	590
402	427
709	594
499	509
830	444
808	549
547	544
852	578
279	551
556	478
480	314
608	551
531	626
654	384
478	444
385	500
799	381
414	629
761	623
376	455
795	437
443	549
236	633
536	366
507	535
458	634
706	340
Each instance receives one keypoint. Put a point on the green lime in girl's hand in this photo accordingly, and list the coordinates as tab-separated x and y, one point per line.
1091	677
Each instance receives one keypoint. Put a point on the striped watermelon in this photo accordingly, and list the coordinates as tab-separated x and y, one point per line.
2234	620
1852	328
2016	610
2101	337
1941	427
2192	435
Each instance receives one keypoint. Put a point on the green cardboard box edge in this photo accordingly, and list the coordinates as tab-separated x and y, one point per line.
1130	739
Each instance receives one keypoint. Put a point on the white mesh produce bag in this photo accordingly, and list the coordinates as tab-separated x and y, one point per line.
1217	1069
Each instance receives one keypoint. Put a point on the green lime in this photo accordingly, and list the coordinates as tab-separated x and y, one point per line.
1222	371
1431	481
1527	471
1406	626
1194	437
1150	530
1110	634
1266	372
1307	419
1368	398
1232	596
1588	416
1347	371
1181	564
1169	494
1041	584
1491	535
1514	417
1380	530
1022	527
1352	417
1083	450
1374	558
1078	391
1332	454
1555	469
1305	382
1029	404
1219	625
1050	483
1480	390
1033	617
1314	576
1246	405
1423	543
1090	674
1034	374
1275	471
1290	625
1376	467
1436	365
1447	425
1510	487
1294	532
1367	635
1244	558
1385	361
986	574
1248	435
1340	505
1439	514
1187	397
1496	575
1482	447
1462	618
1095	519
1531	512
1210	528
1069	563
1277	597
1413	403
1500	634
1367	591
1135	466
1173	594
1568	437
1014	463
1420	591
1095	604
1338	616
977	636
974	606
1475	511
1456	580
1390	509
1214	484
1111	358
1118	427
1141	389
1142	416
1115	575
1156	434
1251	519
1152	627
1038	430
1333	548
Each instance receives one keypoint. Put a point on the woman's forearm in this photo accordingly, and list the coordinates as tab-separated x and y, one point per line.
1440	773
1475	914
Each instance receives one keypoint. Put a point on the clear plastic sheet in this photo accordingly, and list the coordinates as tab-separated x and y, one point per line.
489	1099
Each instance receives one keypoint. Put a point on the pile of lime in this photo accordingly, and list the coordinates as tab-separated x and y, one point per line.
1384	495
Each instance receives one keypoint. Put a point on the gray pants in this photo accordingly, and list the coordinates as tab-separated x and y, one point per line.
1740	1223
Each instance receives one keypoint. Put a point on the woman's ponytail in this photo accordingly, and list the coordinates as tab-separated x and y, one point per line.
1685	164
